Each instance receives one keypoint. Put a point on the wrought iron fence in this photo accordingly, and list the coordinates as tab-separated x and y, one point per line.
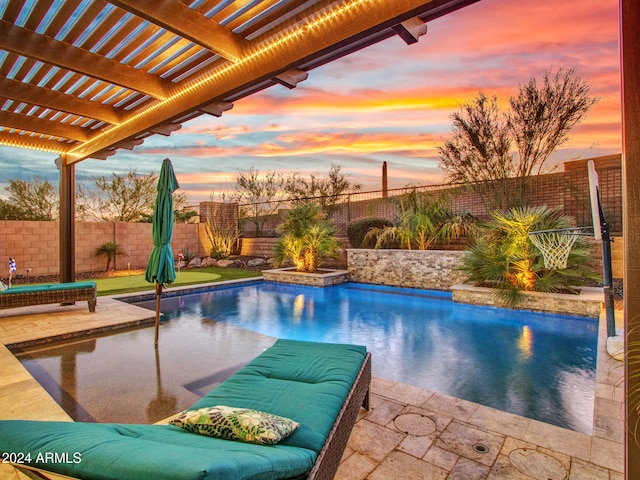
567	190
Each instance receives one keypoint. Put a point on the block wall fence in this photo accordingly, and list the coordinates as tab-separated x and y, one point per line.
35	245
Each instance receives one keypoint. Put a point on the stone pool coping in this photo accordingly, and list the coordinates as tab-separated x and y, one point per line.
587	304
323	278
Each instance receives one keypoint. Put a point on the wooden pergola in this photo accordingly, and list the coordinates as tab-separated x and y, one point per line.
84	78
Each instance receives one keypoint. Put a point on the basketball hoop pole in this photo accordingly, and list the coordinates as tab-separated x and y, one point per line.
601	232
607	275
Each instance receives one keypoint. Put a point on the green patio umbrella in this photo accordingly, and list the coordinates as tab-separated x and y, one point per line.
160	268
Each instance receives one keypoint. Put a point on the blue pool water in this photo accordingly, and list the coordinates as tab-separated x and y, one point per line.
537	365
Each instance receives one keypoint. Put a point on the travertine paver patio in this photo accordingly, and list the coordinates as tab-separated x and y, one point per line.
409	433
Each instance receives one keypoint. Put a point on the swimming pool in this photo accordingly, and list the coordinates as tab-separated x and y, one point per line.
536	365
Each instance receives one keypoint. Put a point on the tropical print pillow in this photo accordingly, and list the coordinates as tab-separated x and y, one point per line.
243	424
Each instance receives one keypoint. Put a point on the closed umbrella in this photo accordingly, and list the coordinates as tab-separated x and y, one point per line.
160	268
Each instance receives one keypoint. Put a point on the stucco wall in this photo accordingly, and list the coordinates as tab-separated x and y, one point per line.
429	269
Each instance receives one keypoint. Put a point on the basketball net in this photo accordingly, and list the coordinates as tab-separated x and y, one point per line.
555	247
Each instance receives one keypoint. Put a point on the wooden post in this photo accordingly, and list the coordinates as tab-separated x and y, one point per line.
67	220
630	70
385	185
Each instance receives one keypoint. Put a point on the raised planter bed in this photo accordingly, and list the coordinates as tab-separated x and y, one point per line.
588	303
323	278
427	269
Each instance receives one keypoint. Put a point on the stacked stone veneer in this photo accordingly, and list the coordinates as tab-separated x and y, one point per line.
438	270
428	269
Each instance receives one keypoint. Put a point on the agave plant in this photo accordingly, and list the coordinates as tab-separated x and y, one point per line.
307	239
504	257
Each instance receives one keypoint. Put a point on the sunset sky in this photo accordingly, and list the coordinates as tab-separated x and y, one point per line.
390	102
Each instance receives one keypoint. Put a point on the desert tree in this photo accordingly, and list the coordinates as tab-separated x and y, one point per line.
119	198
323	190
478	150
181	212
498	152
258	192
541	114
35	199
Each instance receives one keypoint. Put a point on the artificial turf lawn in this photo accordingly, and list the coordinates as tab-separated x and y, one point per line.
137	283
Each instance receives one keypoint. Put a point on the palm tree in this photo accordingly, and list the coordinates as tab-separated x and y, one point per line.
307	239
111	250
504	257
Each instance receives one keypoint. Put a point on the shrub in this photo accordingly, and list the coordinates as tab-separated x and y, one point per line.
504	257
223	237
187	255
308	238
423	219
358	229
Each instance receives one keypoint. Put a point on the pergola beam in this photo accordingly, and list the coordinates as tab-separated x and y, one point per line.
53	52
128	144
47	98
103	154
188	23
411	30
166	129
275	51
33	142
46	127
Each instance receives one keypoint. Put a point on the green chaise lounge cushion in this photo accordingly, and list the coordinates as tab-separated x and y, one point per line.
148	452
309	391
49	286
304	381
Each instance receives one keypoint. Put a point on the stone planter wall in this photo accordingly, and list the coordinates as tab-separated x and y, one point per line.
323	278
587	304
427	269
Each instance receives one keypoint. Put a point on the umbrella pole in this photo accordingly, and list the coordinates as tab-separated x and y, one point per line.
158	295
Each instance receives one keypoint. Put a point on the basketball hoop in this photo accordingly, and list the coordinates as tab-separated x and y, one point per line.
556	245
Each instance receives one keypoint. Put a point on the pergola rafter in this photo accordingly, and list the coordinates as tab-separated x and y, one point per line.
65	56
57	101
44	126
173	16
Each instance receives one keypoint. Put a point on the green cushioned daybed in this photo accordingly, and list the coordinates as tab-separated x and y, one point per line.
321	386
63	293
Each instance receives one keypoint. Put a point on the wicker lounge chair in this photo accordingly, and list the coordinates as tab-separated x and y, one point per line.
63	293
321	386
